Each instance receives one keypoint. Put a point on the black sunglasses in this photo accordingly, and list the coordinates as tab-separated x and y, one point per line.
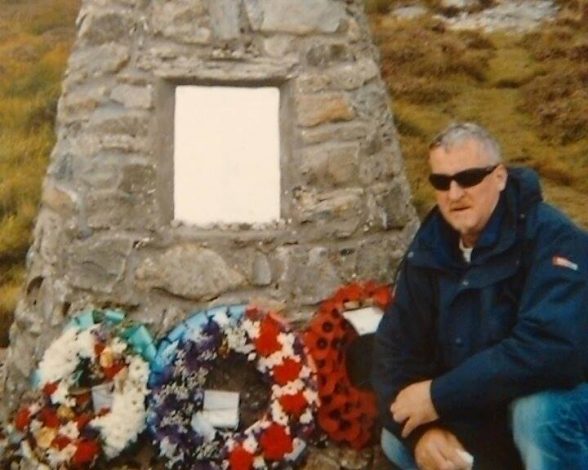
465	178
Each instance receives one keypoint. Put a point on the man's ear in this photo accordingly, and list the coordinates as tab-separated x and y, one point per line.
501	176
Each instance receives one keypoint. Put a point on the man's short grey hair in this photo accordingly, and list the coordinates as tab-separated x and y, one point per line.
459	132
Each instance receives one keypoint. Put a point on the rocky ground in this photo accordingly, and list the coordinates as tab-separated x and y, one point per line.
509	15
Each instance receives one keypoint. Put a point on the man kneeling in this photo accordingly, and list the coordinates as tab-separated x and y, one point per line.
484	352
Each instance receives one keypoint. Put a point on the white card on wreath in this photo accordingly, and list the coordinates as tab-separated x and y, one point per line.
221	408
102	397
364	320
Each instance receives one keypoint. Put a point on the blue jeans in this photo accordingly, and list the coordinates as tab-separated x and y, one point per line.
550	431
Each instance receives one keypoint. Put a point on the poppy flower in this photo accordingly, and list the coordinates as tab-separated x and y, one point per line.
267	342
351	293
382	297
347	431
86	452
287	371
275	442
328	383
293	404
318	346
328	421
240	459
22	418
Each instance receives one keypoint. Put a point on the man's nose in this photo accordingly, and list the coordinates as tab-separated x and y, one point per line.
455	191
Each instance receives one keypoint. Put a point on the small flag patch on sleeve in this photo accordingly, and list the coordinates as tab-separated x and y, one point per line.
564	263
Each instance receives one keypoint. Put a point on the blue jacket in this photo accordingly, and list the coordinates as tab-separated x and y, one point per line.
512	322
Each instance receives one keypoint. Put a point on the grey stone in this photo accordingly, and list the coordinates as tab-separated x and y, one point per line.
338	132
329	166
49	237
324	54
352	76
334	214
59	199
318	109
78	103
262	271
181	21
188	271
379	260
107	120
299	16
254	11
96	61
389	204
224	18
97	264
107	208
133	96
307	273
99	26
138	178
346	76
279	45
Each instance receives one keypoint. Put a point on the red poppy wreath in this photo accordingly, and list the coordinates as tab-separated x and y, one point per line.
346	413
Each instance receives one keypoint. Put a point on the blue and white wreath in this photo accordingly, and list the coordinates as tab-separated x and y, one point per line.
185	437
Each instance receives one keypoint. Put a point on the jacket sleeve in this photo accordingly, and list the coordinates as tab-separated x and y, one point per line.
404	345
547	346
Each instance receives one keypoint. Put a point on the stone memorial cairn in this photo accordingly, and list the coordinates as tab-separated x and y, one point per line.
105	235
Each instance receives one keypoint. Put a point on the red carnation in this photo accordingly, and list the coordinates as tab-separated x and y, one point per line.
22	418
267	342
240	459
275	442
115	368
50	388
83	420
287	371
86	452
49	418
294	404
98	348
60	442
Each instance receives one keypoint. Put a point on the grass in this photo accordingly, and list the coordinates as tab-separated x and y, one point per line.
35	39
531	91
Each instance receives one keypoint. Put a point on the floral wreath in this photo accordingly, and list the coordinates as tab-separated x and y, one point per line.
347	413
91	389
186	439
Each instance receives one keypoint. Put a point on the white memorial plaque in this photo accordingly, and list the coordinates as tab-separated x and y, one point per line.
221	409
226	155
364	320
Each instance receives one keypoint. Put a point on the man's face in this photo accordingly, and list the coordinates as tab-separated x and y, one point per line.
467	210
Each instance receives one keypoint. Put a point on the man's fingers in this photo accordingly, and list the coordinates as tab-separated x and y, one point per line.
399	417
409	427
453	458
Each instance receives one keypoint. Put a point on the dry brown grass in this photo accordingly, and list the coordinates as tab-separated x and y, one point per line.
531	91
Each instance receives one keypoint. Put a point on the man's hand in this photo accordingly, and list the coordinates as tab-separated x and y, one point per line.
413	406
439	449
